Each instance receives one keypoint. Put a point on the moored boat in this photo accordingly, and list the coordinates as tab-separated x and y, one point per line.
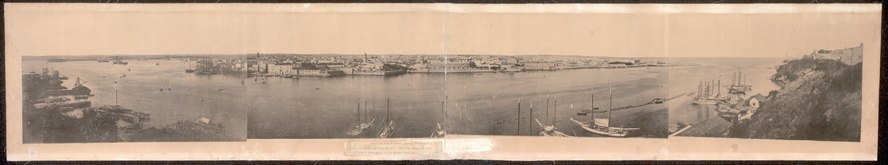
362	127
596	127
389	129
549	129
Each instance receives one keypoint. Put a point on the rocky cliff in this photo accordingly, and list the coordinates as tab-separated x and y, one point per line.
819	99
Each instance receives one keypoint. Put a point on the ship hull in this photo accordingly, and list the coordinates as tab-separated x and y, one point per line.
599	131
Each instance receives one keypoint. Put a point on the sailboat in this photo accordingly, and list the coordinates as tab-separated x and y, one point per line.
363	126
704	95
440	132
549	129
387	130
603	128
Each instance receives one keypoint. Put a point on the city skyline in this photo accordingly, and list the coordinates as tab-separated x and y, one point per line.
197	30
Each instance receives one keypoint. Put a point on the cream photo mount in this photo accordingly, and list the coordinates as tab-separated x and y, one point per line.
18	44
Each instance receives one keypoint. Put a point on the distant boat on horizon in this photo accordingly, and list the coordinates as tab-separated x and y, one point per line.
120	62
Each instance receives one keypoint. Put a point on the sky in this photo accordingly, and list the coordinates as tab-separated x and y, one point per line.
89	29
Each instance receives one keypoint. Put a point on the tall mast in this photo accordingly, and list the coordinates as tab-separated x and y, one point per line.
366	113
531	116
611	106
700	89
547	109
719	87
387	108
711	87
706	89
742	80
737	74
518	131
555	116
592	116
358	110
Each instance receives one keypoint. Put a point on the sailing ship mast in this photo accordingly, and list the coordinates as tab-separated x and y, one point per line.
388	130
610	109
719	88
440	132
366	113
604	128
555	117
547	110
592	109
531	117
518	130
700	89
358	110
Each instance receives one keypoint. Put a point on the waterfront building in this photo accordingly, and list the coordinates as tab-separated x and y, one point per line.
541	66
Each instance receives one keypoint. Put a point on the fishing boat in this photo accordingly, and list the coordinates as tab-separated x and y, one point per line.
549	129
362	127
387	130
603	127
440	132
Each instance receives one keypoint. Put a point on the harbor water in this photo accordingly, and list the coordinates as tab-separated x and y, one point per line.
476	103
162	89
756	72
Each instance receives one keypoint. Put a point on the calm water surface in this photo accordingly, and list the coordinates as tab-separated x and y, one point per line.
478	104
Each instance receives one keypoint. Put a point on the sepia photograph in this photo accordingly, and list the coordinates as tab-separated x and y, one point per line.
441	81
476	77
77	99
781	76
